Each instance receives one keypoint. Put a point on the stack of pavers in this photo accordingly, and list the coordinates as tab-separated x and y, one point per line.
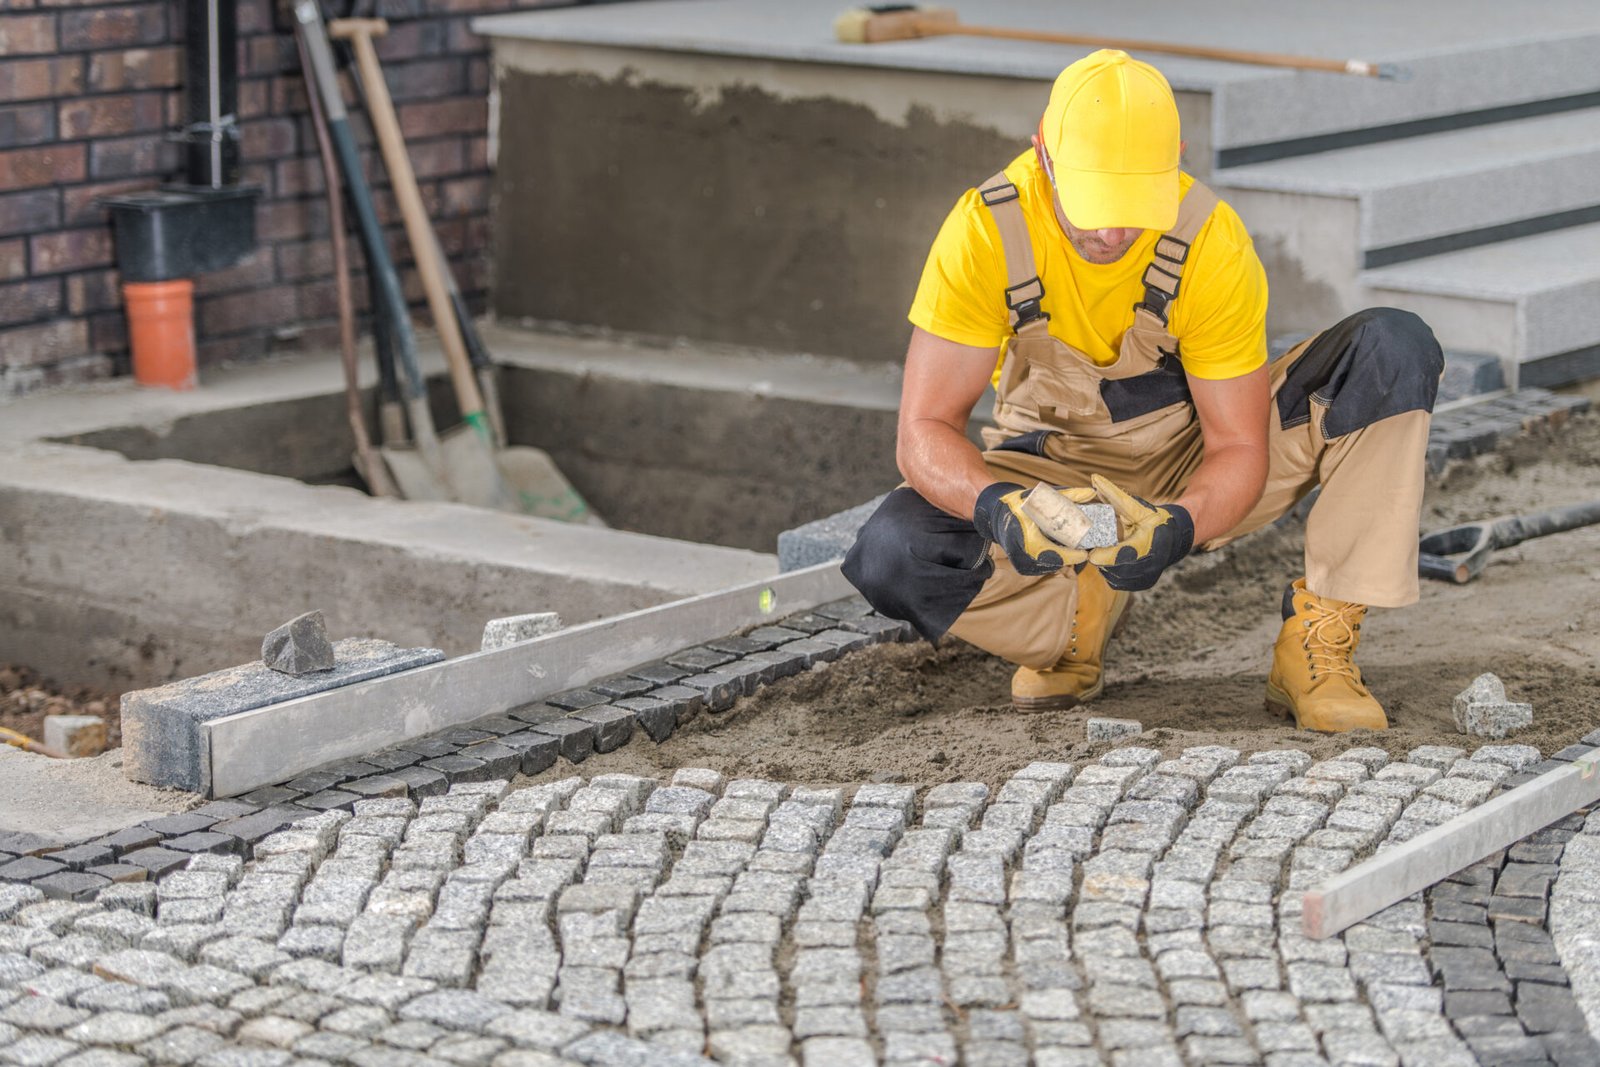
654	697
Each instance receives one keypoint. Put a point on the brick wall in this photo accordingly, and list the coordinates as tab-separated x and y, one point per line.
89	93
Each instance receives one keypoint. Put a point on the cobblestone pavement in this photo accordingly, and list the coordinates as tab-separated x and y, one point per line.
1131	911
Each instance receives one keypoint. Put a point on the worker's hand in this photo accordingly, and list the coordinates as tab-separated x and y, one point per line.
1154	538
998	516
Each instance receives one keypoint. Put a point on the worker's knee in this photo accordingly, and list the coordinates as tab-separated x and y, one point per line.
912	561
1399	342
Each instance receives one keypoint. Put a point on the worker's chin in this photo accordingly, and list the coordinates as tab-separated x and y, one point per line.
1100	254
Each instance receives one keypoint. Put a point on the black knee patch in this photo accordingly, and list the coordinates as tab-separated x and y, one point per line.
914	562
1374	364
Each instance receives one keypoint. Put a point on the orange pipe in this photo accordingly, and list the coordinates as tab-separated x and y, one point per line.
161	332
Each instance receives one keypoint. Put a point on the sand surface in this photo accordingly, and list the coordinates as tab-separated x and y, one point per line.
1191	663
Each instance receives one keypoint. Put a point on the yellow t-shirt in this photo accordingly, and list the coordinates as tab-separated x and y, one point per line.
1219	317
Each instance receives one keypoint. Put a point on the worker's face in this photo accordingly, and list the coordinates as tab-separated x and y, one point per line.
1100	246
1095	246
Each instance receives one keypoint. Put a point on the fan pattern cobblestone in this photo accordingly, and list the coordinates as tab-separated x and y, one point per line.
1131	910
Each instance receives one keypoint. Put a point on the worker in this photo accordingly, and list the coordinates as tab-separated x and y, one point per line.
1119	308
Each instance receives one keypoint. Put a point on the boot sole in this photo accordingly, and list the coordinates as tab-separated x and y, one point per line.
1278	702
1068	700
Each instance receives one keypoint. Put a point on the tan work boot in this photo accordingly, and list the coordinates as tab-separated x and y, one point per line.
1079	675
1314	676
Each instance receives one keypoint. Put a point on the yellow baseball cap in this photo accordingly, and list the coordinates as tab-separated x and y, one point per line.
1111	129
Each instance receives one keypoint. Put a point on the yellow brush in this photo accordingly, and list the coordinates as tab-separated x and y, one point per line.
905	22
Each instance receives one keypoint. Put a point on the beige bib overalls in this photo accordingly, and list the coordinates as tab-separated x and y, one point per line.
1060	418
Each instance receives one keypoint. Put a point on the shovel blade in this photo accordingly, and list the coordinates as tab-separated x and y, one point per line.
469	464
541	489
412	475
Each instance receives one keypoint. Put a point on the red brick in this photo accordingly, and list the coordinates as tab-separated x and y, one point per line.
478	153
150	155
299	261
462	114
298	177
41	79
110	116
254	16
437	158
27	124
270	55
24	168
30	212
478	74
464	196
30	301
127	26
108	331
22	35
289	95
46	342
241	312
268	139
255	97
13	259
69	250
291	220
80	203
253	272
414	39
425	79
461	38
136	68
93	290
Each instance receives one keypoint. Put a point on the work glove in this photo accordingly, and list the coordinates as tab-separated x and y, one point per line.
998	517
1154	538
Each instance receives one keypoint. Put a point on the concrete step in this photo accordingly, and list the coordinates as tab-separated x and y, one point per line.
1375	205
1535	301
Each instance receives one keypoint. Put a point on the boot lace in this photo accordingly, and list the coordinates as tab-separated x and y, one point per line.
1331	638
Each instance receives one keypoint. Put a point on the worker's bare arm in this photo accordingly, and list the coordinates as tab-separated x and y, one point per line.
1233	422
943	381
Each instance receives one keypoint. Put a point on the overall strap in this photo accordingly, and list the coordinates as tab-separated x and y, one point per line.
1165	272
1024	290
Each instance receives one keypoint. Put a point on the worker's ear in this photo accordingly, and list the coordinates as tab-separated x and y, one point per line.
1039	153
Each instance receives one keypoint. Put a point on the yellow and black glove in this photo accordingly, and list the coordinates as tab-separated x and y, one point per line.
998	517
1154	538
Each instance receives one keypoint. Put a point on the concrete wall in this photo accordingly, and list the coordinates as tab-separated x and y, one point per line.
781	205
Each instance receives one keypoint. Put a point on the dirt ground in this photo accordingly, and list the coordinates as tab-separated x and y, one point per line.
1191	663
26	698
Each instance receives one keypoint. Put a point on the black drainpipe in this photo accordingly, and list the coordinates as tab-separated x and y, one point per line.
211	83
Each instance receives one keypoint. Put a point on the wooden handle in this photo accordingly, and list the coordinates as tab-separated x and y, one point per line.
348	29
419	232
1057	516
904	25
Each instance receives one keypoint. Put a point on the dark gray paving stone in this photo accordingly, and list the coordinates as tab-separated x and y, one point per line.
613	726
348	769
1517	909
1460	934
269	795
843	640
226	809
850	607
430	747
1548	973
81	857
422	781
879	629
750	673
178	825
741	646
119	872
1571	1049
204	841
377	785
1460	1005
463	736
659	672
124	841
655	716
499	725
28	868
1547	1009
499	761
23	843
807	623
699	659
538	751
315	782
331	800
718	690
71	885
773	636
392	759
811	651
621	685
575	736
575	699
686	702
459	768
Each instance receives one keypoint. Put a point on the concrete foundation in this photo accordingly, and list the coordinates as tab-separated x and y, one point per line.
129	570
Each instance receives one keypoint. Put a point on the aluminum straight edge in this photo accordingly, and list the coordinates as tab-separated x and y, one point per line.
272	744
1431	857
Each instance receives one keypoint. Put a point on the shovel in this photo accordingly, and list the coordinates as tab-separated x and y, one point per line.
1459	553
